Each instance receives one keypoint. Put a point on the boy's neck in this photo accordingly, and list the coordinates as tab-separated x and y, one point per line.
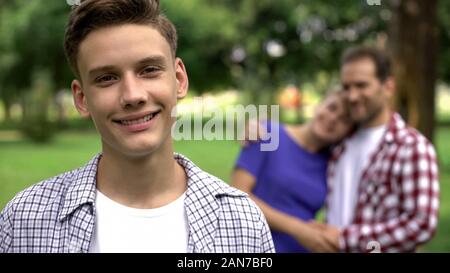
145	182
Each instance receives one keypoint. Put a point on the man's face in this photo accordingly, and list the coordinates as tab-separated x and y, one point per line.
366	94
129	85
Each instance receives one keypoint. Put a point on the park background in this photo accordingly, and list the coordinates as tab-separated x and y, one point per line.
282	52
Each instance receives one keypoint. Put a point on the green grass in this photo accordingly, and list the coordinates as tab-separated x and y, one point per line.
441	241
442	141
23	163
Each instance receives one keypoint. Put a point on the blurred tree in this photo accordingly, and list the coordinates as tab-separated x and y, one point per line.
414	41
255	45
443	14
36	124
207	30
32	41
290	41
10	20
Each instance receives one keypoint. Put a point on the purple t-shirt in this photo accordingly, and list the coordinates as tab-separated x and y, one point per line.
289	179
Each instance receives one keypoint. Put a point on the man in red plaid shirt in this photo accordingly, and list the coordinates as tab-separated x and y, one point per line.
383	180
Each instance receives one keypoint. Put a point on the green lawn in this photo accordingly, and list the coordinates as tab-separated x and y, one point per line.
23	163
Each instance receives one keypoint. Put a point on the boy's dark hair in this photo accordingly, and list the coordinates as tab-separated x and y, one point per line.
378	57
91	15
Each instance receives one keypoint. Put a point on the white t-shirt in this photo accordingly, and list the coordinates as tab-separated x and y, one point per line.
120	229
348	173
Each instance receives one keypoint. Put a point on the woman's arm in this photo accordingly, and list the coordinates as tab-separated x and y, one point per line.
280	221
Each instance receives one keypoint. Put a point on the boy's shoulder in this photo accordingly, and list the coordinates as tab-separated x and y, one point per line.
235	199
42	193
223	218
204	188
61	192
50	195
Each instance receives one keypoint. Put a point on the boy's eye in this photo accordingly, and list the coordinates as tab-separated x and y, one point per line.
150	70
105	78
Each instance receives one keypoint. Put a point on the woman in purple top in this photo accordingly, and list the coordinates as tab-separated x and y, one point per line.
289	184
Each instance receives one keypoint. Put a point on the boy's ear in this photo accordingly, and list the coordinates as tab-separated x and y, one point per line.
182	79
79	98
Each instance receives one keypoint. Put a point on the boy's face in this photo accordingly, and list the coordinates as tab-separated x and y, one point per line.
129	85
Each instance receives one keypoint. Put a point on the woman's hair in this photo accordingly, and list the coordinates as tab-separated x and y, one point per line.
339	93
92	15
334	90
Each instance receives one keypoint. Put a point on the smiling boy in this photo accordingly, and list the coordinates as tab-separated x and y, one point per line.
137	195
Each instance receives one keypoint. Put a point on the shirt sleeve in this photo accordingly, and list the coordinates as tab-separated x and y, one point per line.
5	230
267	245
418	206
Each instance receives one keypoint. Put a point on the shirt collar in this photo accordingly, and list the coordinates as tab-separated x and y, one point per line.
201	186
395	126
81	188
203	205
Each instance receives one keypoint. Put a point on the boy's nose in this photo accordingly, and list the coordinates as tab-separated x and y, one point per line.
132	94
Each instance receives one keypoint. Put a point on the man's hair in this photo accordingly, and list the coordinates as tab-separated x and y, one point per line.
92	15
378	57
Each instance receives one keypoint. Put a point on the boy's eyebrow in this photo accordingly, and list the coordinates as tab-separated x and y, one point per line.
157	59
96	70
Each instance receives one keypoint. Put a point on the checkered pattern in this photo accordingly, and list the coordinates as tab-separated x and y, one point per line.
398	200
58	215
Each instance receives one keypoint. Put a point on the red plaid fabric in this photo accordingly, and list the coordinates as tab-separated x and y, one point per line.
398	202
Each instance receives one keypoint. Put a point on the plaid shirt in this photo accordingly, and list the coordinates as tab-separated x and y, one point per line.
398	198
58	215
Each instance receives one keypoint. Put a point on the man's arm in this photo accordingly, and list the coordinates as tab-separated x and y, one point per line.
418	203
280	221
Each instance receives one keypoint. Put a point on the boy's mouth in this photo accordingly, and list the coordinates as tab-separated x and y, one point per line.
137	119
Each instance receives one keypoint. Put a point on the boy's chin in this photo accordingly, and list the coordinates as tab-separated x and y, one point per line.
139	153
134	150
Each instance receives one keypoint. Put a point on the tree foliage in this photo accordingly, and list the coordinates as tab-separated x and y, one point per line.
255	45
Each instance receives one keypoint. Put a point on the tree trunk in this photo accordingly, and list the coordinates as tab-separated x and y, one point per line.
6	110
61	108
413	42
23	107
